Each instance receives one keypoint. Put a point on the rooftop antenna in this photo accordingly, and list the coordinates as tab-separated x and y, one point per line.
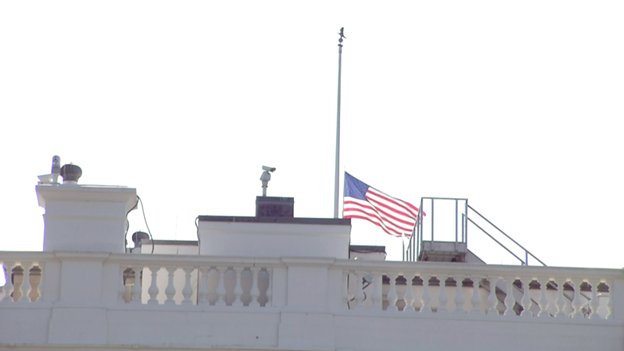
266	177
52	177
337	175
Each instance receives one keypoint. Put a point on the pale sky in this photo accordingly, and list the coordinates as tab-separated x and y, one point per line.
515	105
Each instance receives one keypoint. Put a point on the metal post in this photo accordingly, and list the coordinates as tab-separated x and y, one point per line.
432	219
456	223
466	223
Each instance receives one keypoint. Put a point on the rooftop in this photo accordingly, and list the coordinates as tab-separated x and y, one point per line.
277	282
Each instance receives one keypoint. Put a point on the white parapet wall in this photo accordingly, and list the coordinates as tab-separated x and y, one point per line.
243	303
290	237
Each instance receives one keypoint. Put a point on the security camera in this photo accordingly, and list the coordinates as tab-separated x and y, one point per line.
267	168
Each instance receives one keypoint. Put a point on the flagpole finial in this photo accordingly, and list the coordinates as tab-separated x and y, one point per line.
342	36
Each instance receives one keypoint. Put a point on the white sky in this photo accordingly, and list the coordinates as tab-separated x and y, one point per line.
516	105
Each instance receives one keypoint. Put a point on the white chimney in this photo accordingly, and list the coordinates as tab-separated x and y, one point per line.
85	217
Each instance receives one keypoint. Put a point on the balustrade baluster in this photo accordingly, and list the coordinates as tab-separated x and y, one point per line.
552	295
556	299
135	294
187	291
392	294
203	297
442	296
238	289
25	286
269	293
543	301
475	300
375	291
578	301
510	300
255	289
17	278
492	299
609	296
35	274
525	300
153	289
213	286
566	307
221	290
562	301
459	295
594	303
124	290
408	295
170	290
8	288
425	306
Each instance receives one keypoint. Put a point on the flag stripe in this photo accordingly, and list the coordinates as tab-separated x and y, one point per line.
360	211
398	216
361	201
401	204
394	220
357	206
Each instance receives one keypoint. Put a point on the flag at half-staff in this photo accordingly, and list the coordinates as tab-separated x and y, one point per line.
396	217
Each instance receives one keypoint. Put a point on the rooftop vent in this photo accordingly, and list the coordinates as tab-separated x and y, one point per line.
138	237
71	173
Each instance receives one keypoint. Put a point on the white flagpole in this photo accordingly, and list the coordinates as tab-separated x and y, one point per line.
337	175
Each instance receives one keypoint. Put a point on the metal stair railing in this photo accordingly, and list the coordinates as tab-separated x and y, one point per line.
527	253
468	216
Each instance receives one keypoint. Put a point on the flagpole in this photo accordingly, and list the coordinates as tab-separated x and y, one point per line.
337	175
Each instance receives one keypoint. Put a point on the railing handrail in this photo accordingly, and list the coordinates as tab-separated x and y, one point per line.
496	241
431	267
526	251
415	243
572	272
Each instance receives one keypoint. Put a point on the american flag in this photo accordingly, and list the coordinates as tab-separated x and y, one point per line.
396	217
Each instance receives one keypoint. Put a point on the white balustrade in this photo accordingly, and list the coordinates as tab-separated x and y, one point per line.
176	282
22	281
500	291
385	287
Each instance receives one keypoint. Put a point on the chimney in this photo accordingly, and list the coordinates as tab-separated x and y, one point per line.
84	217
275	207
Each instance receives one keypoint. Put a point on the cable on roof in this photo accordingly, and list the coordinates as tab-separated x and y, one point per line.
146	225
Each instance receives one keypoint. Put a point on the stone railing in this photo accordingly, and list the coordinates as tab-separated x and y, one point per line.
486	290
21	274
175	280
384	287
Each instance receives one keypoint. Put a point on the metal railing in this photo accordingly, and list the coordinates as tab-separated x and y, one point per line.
456	219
